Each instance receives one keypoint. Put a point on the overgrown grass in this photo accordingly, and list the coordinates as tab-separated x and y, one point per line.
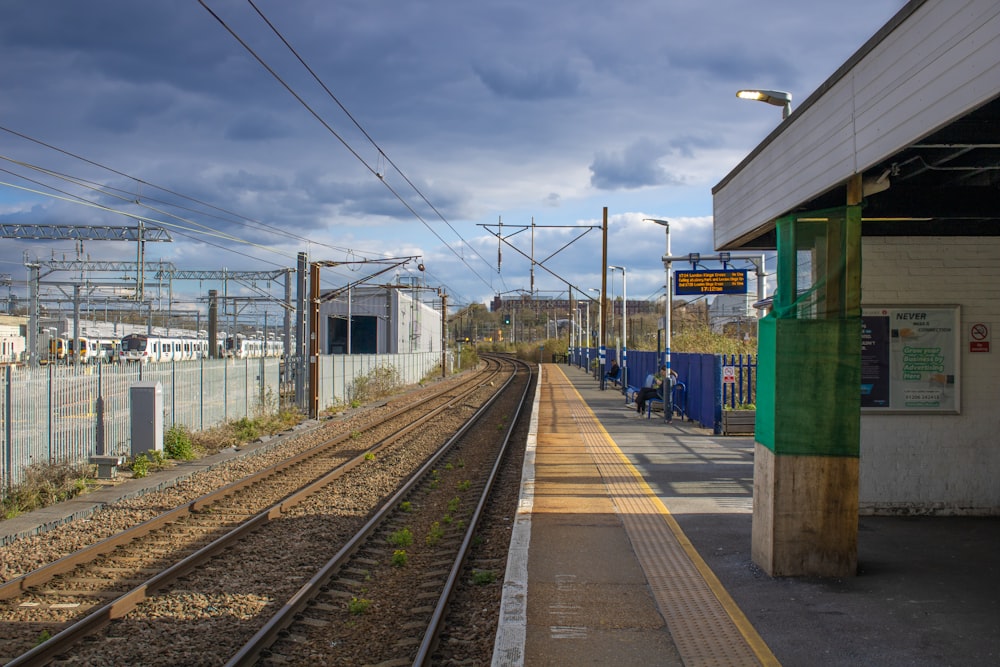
243	430
45	484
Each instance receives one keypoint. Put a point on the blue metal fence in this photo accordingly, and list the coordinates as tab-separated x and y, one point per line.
742	389
705	391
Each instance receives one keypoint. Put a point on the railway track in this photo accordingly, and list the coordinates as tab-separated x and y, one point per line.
249	527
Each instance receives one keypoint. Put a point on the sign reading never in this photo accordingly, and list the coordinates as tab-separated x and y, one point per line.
710	282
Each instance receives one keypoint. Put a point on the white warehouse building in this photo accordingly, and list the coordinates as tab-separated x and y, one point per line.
383	320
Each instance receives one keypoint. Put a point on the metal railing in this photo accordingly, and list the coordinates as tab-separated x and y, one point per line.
58	413
68	413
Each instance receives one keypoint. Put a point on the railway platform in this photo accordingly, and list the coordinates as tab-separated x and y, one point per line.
632	547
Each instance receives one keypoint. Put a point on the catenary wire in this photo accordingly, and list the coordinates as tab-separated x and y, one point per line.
332	131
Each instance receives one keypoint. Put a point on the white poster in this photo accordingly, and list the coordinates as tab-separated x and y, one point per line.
910	359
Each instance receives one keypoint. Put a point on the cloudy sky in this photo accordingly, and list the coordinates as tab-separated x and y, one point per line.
359	130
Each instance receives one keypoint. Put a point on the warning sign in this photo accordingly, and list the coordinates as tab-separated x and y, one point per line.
979	337
729	374
710	282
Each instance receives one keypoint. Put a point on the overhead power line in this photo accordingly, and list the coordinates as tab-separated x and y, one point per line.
332	131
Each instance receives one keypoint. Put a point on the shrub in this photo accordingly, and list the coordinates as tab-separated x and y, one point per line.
140	466
177	443
245	429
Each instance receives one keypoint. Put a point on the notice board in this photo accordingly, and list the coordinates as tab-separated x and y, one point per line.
910	359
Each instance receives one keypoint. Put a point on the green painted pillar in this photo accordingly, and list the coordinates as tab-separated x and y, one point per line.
805	514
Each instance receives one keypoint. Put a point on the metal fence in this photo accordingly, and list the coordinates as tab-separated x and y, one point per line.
339	373
65	413
708	385
68	413
739	385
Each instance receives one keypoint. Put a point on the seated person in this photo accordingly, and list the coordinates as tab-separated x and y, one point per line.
653	391
613	372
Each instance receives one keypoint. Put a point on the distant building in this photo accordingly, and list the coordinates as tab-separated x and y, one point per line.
729	309
383	320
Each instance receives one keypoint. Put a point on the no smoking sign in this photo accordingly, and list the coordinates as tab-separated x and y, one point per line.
979	337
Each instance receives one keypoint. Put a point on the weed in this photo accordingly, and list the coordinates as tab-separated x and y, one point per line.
156	459
483	577
140	466
377	383
464	485
435	534
446	519
406	506
45	484
369	456
399	558
43	637
358	606
246	429
401	538
448	466
453	504
355	435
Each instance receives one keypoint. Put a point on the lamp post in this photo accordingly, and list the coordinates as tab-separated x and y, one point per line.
669	289
624	326
778	98
600	314
668	407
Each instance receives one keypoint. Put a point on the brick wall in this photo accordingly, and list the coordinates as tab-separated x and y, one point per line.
942	464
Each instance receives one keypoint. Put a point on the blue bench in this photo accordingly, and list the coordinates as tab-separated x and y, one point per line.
631	391
659	400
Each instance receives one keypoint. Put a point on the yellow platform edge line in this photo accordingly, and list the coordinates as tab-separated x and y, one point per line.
750	635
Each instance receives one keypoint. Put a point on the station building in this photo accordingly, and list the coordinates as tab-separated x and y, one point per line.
878	387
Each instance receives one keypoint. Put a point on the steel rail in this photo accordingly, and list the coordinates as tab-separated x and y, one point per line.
122	605
46	573
429	641
285	616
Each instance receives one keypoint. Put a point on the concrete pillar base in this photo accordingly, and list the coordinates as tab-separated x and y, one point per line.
805	514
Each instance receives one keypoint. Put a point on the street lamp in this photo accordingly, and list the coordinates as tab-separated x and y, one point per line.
600	317
666	310
778	98
624	326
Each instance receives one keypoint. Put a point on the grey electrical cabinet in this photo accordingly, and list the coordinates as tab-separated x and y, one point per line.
147	417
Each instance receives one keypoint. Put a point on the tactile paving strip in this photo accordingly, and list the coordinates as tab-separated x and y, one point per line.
705	623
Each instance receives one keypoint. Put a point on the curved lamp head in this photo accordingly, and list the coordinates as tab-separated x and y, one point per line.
778	98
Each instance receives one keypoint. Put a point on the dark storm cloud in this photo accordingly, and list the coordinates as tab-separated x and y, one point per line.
636	166
256	126
510	109
531	82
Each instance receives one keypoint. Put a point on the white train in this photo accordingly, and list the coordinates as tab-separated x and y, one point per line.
146	349
244	347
